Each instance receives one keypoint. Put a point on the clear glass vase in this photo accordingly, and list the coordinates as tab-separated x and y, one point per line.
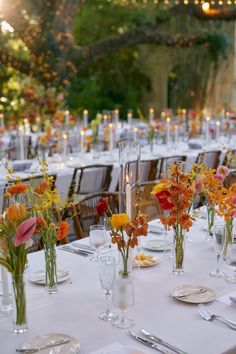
126	264
229	225
19	304
178	251
210	222
50	268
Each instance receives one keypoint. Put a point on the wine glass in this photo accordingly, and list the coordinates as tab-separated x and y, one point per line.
97	239
123	298
218	245
107	270
230	259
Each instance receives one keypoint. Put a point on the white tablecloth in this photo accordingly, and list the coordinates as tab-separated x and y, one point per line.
75	309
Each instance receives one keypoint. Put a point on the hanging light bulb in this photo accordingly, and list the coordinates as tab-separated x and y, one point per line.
205	6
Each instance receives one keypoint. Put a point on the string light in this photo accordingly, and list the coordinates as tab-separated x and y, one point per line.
205	4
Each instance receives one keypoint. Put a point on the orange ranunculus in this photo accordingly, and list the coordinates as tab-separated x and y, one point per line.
17	189
15	212
41	187
40	225
119	220
63	231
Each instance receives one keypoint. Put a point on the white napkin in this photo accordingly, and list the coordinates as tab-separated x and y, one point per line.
117	348
155	226
225	298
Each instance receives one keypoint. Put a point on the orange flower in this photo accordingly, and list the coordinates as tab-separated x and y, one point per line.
17	189
40	225
15	212
41	187
63	230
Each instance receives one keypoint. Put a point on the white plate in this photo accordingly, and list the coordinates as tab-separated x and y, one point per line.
207	296
157	245
72	347
153	261
38	277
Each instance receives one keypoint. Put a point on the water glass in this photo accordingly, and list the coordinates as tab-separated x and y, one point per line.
218	245
97	239
123	298
107	271
231	261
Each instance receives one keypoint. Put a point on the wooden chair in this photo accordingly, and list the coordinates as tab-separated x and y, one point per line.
230	179
161	171
144	202
100	179
84	213
148	170
230	160
209	158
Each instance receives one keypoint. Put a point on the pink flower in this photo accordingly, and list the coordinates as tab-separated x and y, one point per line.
222	170
234	200
198	186
220	178
25	231
233	213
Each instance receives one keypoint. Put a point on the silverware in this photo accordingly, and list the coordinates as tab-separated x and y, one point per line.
199	291
233	299
83	247
162	342
208	315
37	349
71	250
78	249
149	343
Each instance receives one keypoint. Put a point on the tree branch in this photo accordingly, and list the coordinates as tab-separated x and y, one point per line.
137	36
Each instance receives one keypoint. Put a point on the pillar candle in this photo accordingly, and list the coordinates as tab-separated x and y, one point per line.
110	137
135	134
217	129
151	115
65	142
21	138
176	134
168	130
128	197
116	118
1	120
208	128
85	118
82	141
129	118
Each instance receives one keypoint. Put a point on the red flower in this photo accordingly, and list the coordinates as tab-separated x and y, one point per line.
102	207
163	197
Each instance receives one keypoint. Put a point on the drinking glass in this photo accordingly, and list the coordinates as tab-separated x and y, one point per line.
218	245
107	272
123	298
97	239
231	261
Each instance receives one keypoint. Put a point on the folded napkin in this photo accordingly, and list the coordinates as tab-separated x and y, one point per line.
117	348
225	298
155	226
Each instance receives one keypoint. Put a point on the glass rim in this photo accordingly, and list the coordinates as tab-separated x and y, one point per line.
97	226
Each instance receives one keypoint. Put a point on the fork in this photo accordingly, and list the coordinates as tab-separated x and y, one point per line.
208	315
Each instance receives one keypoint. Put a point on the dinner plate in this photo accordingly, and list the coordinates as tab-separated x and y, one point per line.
39	276
72	346
157	245
149	261
207	296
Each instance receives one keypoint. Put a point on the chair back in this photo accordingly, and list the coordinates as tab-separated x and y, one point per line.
230	179
148	170
91	179
209	158
84	213
230	159
164	161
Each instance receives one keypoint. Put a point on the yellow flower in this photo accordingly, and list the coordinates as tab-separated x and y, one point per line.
159	188
119	220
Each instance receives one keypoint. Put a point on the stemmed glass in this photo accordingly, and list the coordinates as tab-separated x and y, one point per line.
97	239
218	245
107	275
230	259
123	298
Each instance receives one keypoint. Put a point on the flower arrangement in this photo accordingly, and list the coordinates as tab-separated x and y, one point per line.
95	126
175	196
124	232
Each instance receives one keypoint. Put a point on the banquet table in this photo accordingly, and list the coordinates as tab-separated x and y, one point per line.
75	308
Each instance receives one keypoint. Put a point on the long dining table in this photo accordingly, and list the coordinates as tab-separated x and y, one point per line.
75	308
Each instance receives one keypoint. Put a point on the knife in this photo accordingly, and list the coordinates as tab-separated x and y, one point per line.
149	343
160	341
37	349
81	253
